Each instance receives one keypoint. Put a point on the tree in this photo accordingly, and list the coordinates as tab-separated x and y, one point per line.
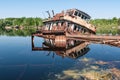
119	22
17	21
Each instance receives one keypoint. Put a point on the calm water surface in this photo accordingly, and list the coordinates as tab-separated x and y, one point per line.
19	62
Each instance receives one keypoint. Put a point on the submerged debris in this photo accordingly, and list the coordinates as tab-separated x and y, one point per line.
92	71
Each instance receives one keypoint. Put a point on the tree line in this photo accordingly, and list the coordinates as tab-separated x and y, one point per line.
21	22
29	25
107	26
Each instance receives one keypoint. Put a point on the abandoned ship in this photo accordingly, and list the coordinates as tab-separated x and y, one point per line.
72	21
72	24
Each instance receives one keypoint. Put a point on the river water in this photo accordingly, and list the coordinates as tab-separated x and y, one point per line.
20	60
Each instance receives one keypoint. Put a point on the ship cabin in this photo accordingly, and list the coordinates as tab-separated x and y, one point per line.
78	13
63	25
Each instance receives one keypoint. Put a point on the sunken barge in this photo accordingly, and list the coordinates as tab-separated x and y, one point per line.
71	24
72	21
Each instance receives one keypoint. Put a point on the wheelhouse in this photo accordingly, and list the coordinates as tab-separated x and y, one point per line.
78	13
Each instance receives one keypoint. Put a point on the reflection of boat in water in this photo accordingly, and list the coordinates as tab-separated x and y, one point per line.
113	43
64	48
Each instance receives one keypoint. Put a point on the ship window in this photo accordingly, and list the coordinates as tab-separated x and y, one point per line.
82	50
68	24
85	17
82	16
56	23
62	23
75	27
79	14
79	28
76	13
84	30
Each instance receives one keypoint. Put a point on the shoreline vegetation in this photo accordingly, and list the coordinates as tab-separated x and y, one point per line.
26	26
107	26
19	26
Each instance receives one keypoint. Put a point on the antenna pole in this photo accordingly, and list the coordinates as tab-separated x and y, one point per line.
48	14
53	12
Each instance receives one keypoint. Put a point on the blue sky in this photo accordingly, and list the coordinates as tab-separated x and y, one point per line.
36	8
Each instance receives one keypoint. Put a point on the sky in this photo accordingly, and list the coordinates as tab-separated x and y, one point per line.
38	8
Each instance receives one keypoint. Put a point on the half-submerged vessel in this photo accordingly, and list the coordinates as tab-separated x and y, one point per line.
72	21
73	24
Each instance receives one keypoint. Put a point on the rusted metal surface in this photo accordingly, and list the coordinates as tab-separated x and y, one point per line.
60	32
94	37
113	43
44	36
80	22
60	41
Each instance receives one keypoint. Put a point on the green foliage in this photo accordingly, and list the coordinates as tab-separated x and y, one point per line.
119	22
106	26
118	31
29	25
21	21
